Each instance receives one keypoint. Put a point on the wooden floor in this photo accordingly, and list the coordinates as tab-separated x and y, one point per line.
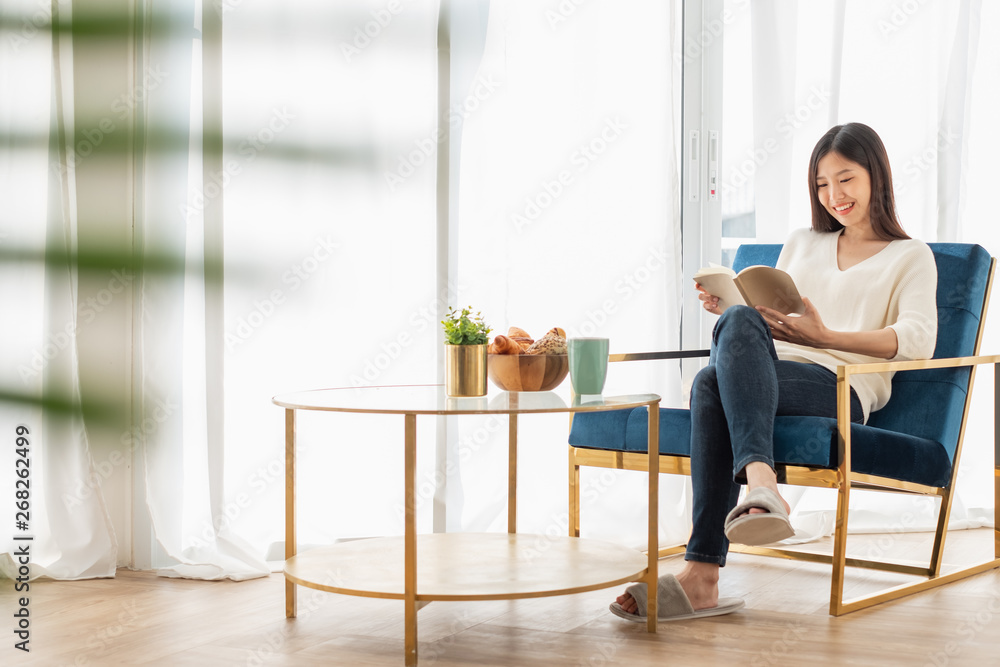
141	619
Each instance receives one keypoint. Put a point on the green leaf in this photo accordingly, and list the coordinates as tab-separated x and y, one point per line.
464	328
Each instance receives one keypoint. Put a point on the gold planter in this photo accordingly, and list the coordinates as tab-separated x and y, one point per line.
465	370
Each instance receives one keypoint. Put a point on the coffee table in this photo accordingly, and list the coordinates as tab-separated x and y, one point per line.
462	566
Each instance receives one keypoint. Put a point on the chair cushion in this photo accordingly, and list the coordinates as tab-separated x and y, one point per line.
810	441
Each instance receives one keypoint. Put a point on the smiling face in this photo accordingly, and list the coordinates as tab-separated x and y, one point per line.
844	189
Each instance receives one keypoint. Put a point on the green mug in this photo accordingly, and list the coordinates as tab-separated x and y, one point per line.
588	364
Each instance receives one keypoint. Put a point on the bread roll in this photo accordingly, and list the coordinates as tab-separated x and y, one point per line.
557	331
548	344
503	345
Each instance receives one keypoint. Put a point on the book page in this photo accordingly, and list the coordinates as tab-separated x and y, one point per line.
771	288
718	280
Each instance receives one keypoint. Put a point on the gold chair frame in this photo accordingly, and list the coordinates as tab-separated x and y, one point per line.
842	478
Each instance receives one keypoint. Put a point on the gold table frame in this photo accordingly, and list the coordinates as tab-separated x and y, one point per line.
373	565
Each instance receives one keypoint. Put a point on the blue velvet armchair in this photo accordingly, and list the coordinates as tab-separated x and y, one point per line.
912	445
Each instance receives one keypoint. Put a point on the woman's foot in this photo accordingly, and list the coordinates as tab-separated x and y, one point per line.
760	474
762	517
700	582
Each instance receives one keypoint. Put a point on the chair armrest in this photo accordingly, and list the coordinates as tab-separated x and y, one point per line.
653	356
850	369
917	364
845	372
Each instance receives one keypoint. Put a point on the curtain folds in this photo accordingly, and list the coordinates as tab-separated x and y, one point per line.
64	510
568	215
330	224
174	400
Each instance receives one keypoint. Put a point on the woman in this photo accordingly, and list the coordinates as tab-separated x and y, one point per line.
875	288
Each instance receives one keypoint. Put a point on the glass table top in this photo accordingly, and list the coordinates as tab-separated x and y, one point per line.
431	400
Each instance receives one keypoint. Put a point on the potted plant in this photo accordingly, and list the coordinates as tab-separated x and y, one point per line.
465	339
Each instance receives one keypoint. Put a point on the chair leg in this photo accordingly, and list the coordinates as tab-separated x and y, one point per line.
840	549
996	457
937	551
996	507
574	496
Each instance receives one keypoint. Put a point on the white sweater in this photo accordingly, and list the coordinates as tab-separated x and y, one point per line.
897	287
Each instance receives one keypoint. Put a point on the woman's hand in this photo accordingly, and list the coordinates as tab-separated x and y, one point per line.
805	329
808	329
708	302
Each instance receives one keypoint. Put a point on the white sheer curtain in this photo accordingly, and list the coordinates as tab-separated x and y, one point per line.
181	459
336	214
330	251
922	77
568	215
39	372
331	260
972	164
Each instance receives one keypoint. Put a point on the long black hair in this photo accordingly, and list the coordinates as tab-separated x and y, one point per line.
858	143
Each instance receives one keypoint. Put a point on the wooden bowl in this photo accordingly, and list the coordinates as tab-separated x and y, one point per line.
527	372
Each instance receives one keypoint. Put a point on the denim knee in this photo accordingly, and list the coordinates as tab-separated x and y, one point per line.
739	331
741	318
706	381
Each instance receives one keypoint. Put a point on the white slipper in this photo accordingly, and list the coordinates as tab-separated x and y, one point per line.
757	529
672	603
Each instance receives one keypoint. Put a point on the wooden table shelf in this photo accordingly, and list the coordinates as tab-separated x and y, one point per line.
468	566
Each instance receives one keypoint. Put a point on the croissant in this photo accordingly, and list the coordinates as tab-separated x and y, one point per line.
504	345
517	332
525	343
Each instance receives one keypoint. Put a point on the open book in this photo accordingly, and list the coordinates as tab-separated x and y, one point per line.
753	286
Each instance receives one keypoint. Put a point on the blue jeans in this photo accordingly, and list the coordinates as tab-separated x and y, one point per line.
734	401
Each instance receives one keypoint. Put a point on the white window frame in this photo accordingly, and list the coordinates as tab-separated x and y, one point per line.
701	129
